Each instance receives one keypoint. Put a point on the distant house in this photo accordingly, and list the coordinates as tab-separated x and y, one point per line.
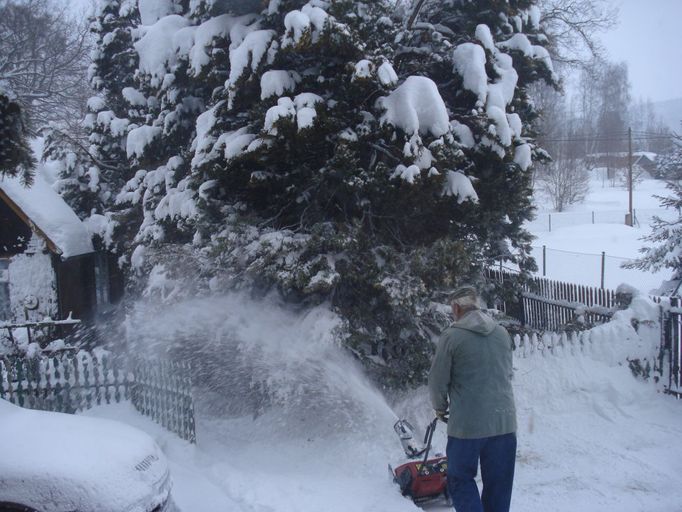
642	161
48	266
646	161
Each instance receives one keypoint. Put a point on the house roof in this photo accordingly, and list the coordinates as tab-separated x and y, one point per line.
48	215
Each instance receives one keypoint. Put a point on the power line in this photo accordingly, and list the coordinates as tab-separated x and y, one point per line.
606	139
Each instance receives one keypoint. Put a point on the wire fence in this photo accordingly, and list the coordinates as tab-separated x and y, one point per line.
547	222
593	269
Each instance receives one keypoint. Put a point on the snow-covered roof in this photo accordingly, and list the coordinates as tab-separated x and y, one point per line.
51	217
648	154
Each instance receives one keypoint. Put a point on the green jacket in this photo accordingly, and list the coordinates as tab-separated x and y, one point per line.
472	371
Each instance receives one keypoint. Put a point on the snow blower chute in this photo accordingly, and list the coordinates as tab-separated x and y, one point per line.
420	478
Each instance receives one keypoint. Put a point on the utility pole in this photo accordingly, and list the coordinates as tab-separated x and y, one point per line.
630	220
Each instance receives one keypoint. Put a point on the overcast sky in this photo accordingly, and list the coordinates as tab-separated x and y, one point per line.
649	39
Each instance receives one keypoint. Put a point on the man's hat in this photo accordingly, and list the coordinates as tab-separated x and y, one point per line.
465	296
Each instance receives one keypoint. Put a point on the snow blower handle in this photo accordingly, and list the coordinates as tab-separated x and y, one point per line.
428	437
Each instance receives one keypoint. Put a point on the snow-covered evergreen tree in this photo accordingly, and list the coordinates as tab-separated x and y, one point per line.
669	166
664	247
373	176
322	149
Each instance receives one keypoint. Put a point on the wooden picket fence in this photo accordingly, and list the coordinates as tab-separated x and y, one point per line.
162	390
550	305
72	382
527	345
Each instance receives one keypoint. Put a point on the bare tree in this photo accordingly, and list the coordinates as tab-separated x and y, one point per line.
565	182
572	27
44	56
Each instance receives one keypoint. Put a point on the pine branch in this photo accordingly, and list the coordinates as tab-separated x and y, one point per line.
415	13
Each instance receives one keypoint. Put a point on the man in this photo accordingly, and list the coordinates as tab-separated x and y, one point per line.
471	372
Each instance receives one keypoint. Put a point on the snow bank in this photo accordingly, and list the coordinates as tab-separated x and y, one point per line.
43	206
74	462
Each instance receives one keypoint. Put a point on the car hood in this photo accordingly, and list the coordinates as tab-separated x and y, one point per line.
63	462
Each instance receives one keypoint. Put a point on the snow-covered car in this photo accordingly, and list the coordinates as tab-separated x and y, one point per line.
52	462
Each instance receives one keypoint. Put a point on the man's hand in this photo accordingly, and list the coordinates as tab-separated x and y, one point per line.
442	416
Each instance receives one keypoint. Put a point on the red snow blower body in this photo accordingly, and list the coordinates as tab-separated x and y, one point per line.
421	478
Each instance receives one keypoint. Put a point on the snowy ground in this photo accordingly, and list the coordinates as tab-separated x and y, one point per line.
591	437
575	244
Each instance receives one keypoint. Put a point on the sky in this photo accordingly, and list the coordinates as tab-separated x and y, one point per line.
649	39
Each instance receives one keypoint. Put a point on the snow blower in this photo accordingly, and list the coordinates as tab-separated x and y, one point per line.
420	478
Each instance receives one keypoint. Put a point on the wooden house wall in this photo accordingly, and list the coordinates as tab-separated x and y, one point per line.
85	285
76	286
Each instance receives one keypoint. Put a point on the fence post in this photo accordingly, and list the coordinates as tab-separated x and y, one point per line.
592	216
603	263
549	216
544	260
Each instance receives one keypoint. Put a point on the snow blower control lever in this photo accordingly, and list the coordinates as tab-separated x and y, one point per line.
423	479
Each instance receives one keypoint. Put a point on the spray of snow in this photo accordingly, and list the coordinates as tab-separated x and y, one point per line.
258	357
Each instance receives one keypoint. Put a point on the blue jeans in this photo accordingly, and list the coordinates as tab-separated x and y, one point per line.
498	457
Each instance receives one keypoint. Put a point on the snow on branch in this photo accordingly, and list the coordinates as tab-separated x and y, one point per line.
416	106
